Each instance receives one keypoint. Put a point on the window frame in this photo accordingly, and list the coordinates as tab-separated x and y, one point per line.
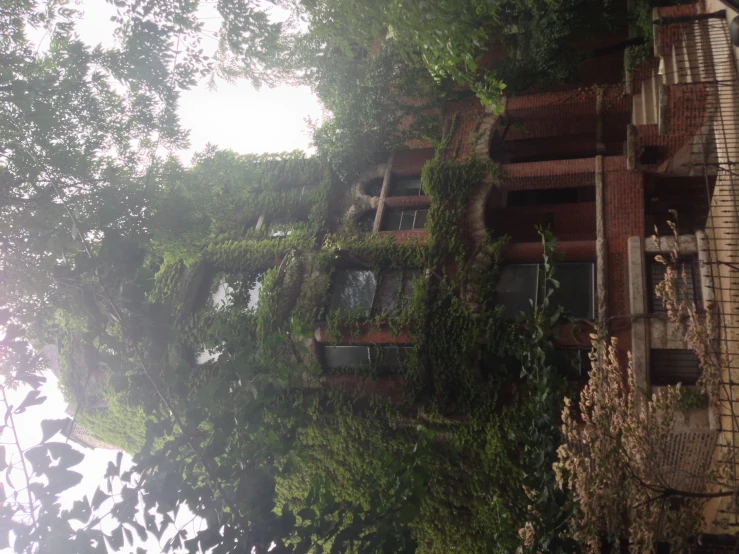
407	276
400	179
402	212
539	286
373	363
666	373
655	304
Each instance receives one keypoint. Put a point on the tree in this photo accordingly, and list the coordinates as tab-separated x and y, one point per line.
616	450
450	38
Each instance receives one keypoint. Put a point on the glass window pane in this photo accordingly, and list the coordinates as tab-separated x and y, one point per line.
340	357
222	294
388	291
575	292
406	219
420	222
391	220
280	227
516	286
366	221
409	276
388	359
353	289
253	301
374	187
407	187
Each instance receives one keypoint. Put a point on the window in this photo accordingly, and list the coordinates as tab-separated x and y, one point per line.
383	360
399	186
670	367
307	190
406	187
365	291
687	289
519	288
228	291
366	221
574	363
282	227
374	187
404	219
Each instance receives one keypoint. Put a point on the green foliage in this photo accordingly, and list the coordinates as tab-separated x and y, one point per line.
449	185
123	269
119	424
364	94
449	39
635	55
691	399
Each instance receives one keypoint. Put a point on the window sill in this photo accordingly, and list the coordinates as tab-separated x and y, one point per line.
421	201
407	236
368	334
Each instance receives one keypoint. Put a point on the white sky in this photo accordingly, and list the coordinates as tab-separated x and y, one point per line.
234	116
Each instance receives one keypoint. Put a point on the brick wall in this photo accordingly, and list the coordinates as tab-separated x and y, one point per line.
624	218
410	162
568	221
687	112
422	201
672	34
469	114
406	236
551	174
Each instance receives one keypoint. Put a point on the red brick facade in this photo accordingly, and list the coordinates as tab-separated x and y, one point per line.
571	138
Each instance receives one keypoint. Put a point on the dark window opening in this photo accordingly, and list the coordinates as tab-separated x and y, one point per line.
670	367
545	197
687	284
404	219
690	197
399	186
520	287
380	360
406	186
366	221
374	187
545	149
573	363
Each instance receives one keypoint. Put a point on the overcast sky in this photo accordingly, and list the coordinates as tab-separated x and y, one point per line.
233	116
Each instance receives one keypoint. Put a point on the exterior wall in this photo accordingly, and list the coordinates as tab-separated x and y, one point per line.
623	217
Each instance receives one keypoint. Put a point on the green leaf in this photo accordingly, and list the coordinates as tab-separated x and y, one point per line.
98	498
67	455
39	459
61	479
33	398
81	510
115	539
50	427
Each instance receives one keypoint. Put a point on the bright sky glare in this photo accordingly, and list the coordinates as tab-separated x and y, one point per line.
234	116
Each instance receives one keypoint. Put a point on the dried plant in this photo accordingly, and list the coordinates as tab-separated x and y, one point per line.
619	443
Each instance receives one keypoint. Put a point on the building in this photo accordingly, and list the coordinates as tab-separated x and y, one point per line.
600	163
83	436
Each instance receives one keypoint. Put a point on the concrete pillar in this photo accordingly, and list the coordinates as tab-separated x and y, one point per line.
704	260
601	246
383	193
638	307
